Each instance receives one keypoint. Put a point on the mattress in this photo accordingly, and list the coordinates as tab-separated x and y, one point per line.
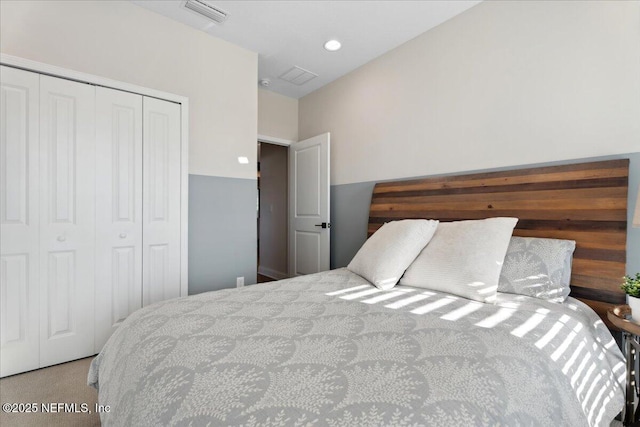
329	349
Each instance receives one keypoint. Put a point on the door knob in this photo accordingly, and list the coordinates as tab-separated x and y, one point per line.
324	225
123	235
61	238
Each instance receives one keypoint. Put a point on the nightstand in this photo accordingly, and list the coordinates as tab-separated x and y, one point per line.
630	339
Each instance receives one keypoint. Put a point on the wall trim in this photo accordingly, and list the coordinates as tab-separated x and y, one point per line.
274	140
65	73
278	275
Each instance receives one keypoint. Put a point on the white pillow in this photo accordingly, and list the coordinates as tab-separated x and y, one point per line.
387	254
464	258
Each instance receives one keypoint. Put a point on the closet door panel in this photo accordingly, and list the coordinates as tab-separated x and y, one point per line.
67	220
161	201
119	209
19	247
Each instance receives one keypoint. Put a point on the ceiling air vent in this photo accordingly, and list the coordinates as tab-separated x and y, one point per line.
202	8
298	76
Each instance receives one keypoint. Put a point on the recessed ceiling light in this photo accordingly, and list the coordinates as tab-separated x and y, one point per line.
243	160
332	45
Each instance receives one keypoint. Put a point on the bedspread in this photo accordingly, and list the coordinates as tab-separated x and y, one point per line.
330	349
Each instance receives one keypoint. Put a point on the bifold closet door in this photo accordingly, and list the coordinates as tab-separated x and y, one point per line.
118	209
67	220
19	247
161	200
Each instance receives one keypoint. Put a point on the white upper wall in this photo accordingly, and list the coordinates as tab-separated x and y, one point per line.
277	115
122	41
504	83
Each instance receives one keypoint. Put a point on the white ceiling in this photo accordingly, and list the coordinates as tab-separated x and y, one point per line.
288	33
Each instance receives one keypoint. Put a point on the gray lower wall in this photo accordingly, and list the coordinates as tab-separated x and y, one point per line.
349	220
222	232
350	213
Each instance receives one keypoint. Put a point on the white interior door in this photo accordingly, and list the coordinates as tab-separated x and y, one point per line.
19	234
161	200
118	209
309	220
67	220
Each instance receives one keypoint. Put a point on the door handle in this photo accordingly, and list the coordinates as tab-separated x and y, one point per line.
61	238
123	235
324	225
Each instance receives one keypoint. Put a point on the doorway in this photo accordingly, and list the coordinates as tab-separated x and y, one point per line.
273	205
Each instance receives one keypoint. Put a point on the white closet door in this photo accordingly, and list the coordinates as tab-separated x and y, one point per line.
67	220
161	201
118	209
19	297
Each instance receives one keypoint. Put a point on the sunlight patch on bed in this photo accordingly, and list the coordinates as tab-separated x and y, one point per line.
488	290
599	396
387	296
596	348
434	305
594	383
485	290
573	357
572	306
581	367
510	304
406	301
542	342
585	380
476	284
565	344
463	311
344	291
361	294
618	366
603	407
496	318
531	323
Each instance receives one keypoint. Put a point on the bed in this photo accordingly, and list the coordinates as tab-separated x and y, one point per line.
332	349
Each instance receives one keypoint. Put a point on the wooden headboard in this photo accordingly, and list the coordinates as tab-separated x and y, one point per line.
585	202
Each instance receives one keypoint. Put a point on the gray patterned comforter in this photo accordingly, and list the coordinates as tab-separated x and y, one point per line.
329	349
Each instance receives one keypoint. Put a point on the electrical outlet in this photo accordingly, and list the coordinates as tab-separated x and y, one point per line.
239	282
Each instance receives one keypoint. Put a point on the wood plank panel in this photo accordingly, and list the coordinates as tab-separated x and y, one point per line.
580	171
580	193
479	189
615	215
572	204
585	202
610	297
594	282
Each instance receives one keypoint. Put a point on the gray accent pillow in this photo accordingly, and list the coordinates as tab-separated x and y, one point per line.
538	268
390	250
464	258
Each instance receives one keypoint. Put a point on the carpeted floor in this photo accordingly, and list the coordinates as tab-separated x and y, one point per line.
65	383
